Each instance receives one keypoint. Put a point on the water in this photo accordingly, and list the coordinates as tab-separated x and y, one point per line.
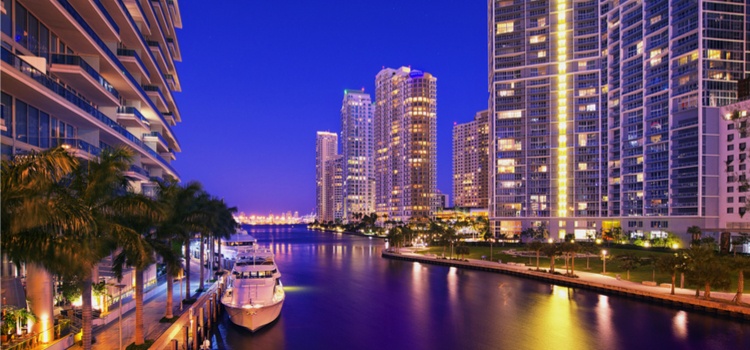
342	295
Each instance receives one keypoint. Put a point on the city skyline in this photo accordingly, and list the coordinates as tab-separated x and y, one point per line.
252	143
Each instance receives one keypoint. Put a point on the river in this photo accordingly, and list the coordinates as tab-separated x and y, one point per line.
342	295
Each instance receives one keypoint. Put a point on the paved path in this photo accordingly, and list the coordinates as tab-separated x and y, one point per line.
597	278
108	336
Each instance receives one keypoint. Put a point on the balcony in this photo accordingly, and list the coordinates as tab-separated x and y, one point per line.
78	146
131	117
156	95
98	18
138	14
138	173
159	55
133	62
80	75
154	138
13	79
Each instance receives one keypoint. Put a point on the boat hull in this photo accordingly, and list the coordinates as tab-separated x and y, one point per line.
254	318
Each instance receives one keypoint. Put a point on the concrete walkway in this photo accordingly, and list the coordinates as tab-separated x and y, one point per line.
108	336
591	277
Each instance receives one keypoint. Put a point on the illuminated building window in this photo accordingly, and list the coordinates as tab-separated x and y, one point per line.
587	92
509	114
655	19
541	53
504	27
714	54
639	47
535	39
506	166
508	145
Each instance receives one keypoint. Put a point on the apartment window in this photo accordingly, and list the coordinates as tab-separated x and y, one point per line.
730	148
742	199
730	199
21	121
730	189
504	27
5	21
6	112
730	210
730	168
743	166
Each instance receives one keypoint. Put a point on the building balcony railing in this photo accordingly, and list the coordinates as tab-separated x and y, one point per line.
109	18
92	34
138	170
72	97
78	61
128	110
134	54
75	144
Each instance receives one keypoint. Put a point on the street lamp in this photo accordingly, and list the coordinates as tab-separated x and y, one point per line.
119	309
604	259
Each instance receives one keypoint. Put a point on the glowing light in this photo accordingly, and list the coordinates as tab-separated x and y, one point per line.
675	246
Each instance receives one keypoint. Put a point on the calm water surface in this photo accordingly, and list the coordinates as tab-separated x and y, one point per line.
342	295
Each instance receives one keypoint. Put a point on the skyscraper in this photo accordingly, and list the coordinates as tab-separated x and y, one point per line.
405	143
326	149
89	76
605	113
470	162
358	154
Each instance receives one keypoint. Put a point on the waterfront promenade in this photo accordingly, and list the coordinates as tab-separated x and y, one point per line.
720	303
108	336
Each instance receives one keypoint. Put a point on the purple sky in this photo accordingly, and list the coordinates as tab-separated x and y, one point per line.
260	78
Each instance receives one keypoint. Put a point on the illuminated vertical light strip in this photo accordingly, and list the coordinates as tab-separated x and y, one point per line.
562	112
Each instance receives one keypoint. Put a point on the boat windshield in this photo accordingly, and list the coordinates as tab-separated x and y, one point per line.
253	274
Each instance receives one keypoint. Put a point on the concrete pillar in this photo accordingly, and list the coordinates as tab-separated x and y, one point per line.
39	291
186	338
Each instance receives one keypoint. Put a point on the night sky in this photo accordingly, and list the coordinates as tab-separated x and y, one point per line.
259	78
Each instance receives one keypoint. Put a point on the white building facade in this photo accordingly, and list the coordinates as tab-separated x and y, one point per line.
357	143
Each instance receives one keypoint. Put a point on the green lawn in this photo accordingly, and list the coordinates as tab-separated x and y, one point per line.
642	273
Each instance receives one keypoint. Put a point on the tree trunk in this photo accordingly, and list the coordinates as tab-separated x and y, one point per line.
187	269
628	275
674	276
587	261
218	254
138	306
740	286
86	315
39	287
552	263
573	264
170	292
202	260
707	293
537	260
653	275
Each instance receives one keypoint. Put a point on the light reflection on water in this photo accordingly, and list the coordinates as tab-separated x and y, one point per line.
343	295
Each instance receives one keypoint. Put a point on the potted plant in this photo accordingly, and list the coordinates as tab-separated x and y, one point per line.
8	324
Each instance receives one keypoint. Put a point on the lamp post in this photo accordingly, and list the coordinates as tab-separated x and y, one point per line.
604	259
119	309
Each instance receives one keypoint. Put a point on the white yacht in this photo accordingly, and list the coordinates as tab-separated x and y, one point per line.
254	294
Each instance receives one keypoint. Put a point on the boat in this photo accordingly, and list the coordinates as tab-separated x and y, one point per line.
254	294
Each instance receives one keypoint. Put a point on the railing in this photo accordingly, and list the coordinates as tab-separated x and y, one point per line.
71	97
76	144
78	61
134	111
133	53
61	329
109	18
139	170
153	88
82	22
157	135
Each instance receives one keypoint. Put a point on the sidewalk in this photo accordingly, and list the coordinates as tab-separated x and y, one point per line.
585	276
108	336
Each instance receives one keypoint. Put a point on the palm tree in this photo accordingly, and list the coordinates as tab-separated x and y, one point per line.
695	234
551	250
739	264
672	264
630	262
41	223
180	221
536	246
104	190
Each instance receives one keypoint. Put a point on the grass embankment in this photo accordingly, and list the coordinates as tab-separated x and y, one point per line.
642	273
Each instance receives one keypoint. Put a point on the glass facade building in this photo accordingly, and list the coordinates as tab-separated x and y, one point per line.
90	75
470	160
605	113
405	144
326	152
358	152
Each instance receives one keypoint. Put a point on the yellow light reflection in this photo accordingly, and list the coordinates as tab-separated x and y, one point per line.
679	324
